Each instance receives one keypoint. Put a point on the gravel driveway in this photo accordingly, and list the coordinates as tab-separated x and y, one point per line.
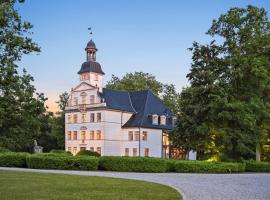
193	186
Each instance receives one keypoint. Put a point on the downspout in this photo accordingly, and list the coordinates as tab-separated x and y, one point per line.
139	141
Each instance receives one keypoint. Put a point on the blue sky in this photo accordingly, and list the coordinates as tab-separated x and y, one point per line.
150	36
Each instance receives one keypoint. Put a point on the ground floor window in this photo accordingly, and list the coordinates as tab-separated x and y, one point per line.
82	148
75	135
135	152
74	150
126	151
146	152
69	149
99	150
92	149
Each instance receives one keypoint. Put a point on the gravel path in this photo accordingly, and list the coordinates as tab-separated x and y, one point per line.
192	186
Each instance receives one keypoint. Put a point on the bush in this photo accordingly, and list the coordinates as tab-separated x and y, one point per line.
171	165
4	150
59	151
61	161
88	153
12	159
253	166
185	166
132	164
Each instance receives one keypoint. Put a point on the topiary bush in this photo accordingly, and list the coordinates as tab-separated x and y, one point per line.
12	159
253	166
185	166
61	161
88	153
132	164
59	151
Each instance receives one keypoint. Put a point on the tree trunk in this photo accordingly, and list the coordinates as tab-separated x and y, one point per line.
258	152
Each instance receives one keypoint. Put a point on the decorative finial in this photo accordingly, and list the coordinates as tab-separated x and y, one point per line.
91	33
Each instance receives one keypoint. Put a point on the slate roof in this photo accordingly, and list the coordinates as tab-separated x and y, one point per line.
91	45
91	66
143	104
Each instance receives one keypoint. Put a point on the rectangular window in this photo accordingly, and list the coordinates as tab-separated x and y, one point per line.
69	135
126	151
98	135
83	118
83	99
98	117
137	135
69	119
146	152
163	120
154	119
92	149
144	136
99	150
92	99
130	136
92	135
75	135
82	148
92	117
75	118
75	101
69	149
83	136
135	152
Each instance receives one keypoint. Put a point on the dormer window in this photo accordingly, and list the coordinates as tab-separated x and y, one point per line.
154	119
162	120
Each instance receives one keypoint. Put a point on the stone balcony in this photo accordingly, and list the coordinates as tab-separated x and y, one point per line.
83	107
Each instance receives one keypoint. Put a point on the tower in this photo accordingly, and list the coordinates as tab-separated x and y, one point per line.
91	71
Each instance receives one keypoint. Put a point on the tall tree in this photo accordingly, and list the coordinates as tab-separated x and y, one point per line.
20	106
230	82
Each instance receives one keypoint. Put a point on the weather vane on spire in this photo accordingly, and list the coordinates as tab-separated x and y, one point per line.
91	33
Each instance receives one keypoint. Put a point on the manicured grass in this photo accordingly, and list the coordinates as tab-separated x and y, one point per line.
39	186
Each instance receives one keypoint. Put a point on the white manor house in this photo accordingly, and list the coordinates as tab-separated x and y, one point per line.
114	123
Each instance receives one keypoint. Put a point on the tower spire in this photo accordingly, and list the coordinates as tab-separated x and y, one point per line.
91	48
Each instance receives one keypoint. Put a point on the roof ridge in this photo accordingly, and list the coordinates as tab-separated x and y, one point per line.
144	107
131	103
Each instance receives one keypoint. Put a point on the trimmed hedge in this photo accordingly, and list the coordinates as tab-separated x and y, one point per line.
59	151
132	164
12	159
185	166
253	166
88	153
4	150
61	161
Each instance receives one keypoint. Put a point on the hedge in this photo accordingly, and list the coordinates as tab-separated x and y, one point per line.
132	164
12	159
47	161
88	153
59	151
253	166
185	166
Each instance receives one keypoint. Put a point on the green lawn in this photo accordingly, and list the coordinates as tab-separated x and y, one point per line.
38	186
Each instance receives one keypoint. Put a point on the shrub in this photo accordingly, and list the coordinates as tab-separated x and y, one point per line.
171	165
184	166
132	164
4	150
88	153
253	166
12	159
59	151
61	161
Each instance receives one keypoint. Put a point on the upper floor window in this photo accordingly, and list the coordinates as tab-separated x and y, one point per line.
98	117
69	119
137	135
130	136
92	117
92	135
75	118
69	135
155	119
92	99
98	135
75	135
144	135
83	99
83	118
163	120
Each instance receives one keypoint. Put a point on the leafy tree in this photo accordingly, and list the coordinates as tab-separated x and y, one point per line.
21	108
226	108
